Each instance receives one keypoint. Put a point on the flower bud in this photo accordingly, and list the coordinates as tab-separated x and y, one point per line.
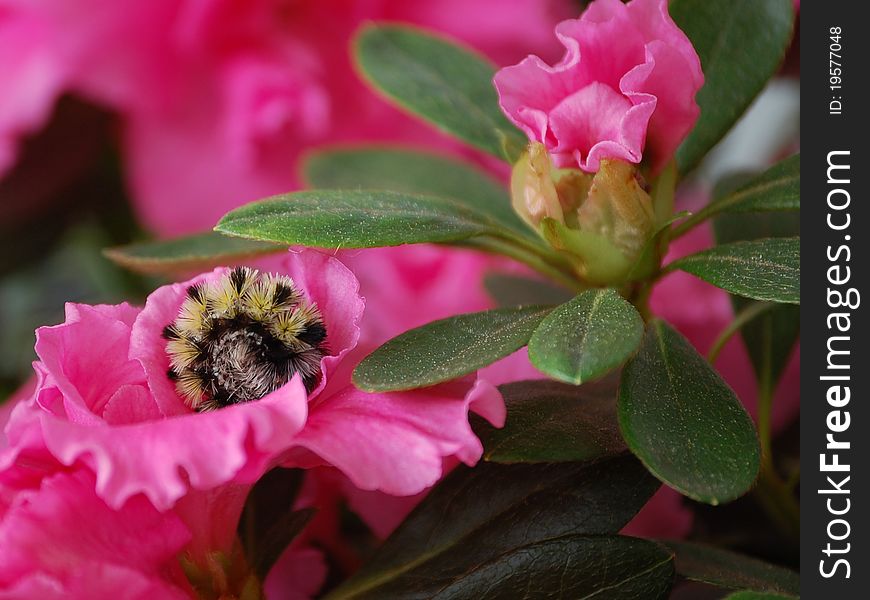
602	221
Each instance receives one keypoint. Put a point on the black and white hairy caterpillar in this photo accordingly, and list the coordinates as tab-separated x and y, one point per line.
241	337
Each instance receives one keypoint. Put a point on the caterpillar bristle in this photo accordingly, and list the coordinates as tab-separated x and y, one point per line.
241	336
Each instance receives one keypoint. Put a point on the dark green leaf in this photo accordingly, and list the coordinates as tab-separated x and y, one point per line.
515	290
571	566
413	172
268	523
477	515
741	45
766	269
437	80
771	337
587	337
187	254
748	595
446	349
355	219
684	422
724	568
550	422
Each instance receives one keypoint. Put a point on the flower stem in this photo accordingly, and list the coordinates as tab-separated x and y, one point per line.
552	267
775	496
740	320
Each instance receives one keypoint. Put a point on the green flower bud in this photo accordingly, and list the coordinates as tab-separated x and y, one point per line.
603	222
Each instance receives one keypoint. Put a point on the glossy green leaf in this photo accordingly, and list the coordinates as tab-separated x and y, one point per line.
741	45
685	423
187	254
446	349
475	516
516	290
724	568
587	337
413	172
438	80
766	269
551	422
355	219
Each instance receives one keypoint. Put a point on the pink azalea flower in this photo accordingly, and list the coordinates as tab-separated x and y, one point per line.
238	88
624	89
104	399
59	540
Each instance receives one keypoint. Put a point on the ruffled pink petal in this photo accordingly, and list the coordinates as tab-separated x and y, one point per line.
21	395
598	122
652	19
675	111
164	459
61	527
86	357
94	580
396	442
608	99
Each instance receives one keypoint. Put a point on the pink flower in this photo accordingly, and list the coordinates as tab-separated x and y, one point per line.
237	88
104	400
59	540
624	89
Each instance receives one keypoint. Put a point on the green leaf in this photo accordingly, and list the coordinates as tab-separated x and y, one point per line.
355	219
724	568
187	254
741	45
551	422
413	172
571	566
587	337
684	422
474	516
438	80
778	188
771	337
766	269
446	349
515	290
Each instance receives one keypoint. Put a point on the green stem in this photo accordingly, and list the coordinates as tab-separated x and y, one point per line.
552	267
775	495
740	320
694	220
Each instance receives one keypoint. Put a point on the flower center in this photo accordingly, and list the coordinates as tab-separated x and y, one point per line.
241	337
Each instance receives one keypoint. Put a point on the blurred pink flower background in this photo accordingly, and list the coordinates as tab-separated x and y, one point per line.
216	100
